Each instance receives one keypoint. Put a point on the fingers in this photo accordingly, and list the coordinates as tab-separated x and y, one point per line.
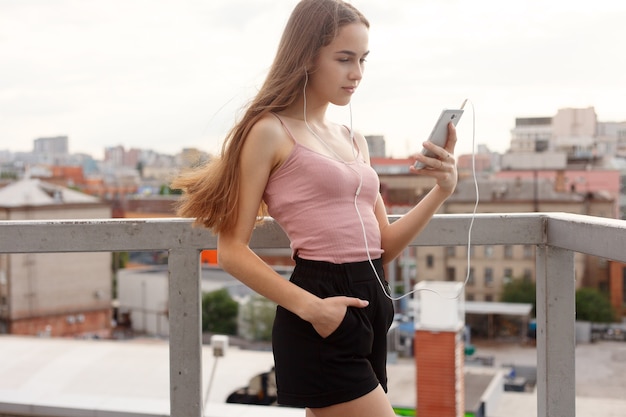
441	161
440	158
446	153
451	141
333	313
356	302
443	157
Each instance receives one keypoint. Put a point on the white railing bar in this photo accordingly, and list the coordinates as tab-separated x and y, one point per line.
113	235
102	235
585	234
488	229
556	332
596	236
185	339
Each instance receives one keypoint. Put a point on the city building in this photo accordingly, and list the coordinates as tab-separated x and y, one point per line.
482	161
376	145
613	132
54	294
51	150
531	134
574	132
491	267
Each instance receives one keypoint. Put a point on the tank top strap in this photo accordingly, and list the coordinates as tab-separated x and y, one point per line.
353	140
285	127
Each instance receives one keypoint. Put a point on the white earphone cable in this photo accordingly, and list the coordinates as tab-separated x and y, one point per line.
358	190
469	233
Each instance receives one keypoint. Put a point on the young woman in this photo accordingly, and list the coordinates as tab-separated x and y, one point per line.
313	177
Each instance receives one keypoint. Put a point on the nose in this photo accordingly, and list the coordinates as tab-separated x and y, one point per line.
357	72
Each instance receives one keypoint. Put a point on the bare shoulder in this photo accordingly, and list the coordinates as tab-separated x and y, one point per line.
268	139
362	144
269	129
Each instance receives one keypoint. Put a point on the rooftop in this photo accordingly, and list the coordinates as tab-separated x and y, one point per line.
133	377
34	192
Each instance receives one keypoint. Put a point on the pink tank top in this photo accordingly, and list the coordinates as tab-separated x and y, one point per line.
312	197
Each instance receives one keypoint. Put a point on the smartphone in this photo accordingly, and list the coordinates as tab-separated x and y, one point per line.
439	134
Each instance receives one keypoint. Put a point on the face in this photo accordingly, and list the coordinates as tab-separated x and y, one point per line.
339	66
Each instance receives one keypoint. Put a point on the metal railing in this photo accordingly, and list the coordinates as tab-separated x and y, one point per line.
557	237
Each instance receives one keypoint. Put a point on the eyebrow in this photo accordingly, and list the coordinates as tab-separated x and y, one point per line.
351	53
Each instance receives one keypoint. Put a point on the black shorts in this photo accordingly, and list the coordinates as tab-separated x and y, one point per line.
312	371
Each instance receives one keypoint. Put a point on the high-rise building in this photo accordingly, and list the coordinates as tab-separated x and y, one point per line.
611	138
56	145
531	134
574	132
52	150
114	155
376	145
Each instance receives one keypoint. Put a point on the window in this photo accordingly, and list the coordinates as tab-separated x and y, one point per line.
488	251
488	277
470	278
430	261
528	251
450	251
450	274
489	297
508	252
528	275
508	275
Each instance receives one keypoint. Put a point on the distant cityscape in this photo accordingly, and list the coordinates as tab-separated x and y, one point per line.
574	138
569	162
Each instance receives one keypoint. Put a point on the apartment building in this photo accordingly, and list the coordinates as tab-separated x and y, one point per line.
53	294
491	267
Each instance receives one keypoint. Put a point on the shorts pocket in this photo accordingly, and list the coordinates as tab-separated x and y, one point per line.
339	328
353	337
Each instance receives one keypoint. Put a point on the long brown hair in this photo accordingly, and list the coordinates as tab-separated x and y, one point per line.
211	193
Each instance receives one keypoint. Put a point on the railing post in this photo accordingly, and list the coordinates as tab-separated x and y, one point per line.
556	335
185	333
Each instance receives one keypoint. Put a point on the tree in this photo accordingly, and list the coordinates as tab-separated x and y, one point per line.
219	312
592	305
257	318
167	190
118	261
520	291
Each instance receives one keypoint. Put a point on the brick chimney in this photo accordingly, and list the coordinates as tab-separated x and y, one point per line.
560	182
439	349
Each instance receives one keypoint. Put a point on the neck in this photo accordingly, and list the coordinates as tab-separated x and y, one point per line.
315	112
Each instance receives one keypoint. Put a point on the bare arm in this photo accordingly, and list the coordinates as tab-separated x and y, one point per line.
265	148
396	236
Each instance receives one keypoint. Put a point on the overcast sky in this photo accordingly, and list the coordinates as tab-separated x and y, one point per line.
165	74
